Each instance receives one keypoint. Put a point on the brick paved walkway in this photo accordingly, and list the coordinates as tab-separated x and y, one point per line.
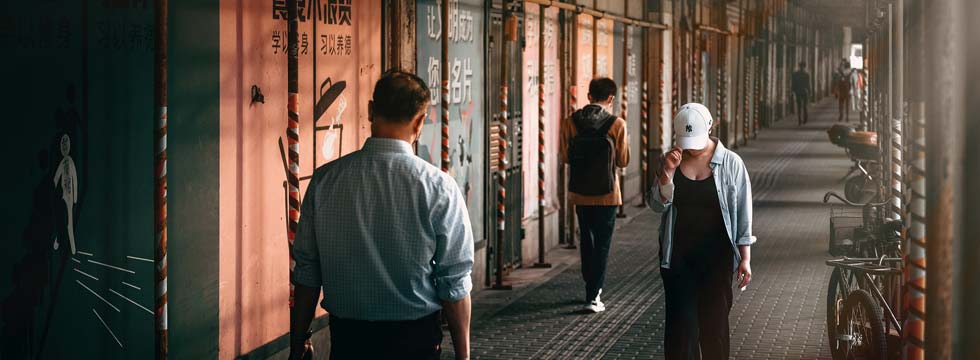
779	316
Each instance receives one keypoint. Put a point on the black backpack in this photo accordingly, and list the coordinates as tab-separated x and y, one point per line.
592	160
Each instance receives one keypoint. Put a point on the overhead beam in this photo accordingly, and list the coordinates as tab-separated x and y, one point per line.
581	9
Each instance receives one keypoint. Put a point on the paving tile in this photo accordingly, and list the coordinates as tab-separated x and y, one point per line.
779	316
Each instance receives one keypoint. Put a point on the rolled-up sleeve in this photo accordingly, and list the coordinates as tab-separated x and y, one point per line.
307	271
744	212
454	244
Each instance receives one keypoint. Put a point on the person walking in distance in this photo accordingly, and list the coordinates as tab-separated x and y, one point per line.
388	238
704	194
801	91
594	143
842	89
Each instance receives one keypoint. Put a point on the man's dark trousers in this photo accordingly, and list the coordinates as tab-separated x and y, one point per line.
595	225
801	108
413	339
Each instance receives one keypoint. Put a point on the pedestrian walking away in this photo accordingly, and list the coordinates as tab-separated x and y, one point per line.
842	90
801	91
594	143
704	194
387	237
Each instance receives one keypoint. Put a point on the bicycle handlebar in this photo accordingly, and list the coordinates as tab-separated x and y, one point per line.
829	194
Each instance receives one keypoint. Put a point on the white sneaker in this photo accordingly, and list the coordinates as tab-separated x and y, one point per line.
596	306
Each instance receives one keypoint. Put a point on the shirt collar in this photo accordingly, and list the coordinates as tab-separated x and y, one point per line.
720	151
387	145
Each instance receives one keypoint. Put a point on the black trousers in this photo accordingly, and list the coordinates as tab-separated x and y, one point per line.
802	116
596	224
698	299
359	339
844	108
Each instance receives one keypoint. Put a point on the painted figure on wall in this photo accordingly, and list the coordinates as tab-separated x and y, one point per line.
68	179
333	136
331	140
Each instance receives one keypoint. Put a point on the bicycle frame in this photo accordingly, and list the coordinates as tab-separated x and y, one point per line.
865	268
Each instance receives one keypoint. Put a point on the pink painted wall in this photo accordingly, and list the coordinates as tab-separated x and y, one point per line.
254	286
604	54
531	109
583	59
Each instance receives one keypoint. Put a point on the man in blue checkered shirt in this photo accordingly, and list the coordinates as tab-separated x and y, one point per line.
387	236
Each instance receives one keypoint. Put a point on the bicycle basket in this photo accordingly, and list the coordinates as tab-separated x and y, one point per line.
843	221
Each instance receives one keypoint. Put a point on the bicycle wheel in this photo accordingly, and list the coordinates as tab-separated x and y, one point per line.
859	189
837	292
862	329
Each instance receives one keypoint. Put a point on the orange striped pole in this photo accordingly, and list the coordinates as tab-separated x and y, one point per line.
915	267
161	343
659	108
747	70
644	142
541	122
292	136
624	112
510	34
722	92
445	85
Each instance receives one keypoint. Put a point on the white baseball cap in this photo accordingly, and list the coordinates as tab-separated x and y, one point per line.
691	126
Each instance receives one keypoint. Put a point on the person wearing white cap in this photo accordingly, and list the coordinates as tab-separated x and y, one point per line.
704	194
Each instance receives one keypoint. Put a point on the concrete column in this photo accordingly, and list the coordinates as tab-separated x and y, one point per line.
967	304
944	116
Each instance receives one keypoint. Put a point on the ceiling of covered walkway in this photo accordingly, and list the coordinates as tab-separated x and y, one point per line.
840	12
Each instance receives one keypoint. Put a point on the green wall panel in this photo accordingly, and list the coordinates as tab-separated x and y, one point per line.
193	136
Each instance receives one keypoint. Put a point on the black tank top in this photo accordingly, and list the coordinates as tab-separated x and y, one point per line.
700	236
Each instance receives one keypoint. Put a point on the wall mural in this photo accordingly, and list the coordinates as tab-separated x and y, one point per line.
339	56
78	283
467	107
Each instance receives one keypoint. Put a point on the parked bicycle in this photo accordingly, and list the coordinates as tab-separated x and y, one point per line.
865	287
862	148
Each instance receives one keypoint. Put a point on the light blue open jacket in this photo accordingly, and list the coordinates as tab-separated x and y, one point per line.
734	197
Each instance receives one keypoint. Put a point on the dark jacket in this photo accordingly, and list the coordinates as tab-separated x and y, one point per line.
801	83
592	117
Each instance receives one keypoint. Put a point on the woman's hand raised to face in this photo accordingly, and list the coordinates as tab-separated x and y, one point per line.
672	159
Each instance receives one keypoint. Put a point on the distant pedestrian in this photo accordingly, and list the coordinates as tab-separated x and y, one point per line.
801	90
387	236
703	190
856	83
842	90
594	143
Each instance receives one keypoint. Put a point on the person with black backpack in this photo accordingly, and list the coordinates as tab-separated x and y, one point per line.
594	144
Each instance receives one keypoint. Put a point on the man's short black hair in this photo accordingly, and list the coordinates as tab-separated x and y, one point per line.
602	88
399	96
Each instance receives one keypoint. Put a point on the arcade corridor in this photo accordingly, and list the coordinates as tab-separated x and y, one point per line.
160	153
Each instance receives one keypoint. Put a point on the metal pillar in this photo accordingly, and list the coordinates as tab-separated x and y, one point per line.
510	34
444	89
968	323
292	135
897	108
160	176
623	113
944	111
915	244
541	122
572	66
